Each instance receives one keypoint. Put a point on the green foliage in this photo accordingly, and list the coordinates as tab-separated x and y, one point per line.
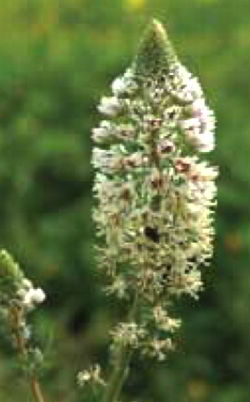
55	60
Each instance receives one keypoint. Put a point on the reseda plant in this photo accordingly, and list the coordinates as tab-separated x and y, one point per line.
155	199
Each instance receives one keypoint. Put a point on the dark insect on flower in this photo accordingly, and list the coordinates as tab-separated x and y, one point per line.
152	234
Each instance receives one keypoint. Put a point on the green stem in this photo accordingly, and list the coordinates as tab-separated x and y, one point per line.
16	320
36	390
120	370
118	376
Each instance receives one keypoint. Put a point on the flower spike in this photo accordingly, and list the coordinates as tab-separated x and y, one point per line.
155	196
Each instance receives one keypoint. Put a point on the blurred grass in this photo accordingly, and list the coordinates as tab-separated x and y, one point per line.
56	59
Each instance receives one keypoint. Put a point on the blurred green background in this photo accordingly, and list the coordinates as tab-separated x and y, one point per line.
57	57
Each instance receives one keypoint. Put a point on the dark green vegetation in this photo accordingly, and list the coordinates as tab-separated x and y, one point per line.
56	59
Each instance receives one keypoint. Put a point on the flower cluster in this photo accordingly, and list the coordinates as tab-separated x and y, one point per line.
29	296
17	298
155	195
128	333
92	376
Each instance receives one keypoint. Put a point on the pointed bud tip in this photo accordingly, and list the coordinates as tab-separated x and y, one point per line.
8	266
158	27
155	31
155	51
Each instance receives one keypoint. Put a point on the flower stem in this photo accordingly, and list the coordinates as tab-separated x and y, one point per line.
118	376
36	390
120	370
16	321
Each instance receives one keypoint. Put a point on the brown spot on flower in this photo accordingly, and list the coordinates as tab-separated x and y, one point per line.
166	146
182	166
115	219
156	182
130	162
154	123
126	194
195	177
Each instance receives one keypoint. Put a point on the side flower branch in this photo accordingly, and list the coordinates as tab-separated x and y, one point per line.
18	298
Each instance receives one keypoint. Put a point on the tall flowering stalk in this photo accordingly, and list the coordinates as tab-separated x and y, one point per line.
155	197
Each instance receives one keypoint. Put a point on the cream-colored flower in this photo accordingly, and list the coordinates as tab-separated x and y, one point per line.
90	376
110	106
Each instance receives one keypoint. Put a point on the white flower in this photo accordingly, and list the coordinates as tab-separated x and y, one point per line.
83	377
124	85
102	132
205	142
103	159
119	86
128	333
203	172
33	297
188	86
185	283
163	321
92	375
158	348
190	124
118	287
192	129
110	106
199	129
197	107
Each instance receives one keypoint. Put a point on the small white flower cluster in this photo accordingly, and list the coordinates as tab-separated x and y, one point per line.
92	376
155	196
30	296
125	84
128	333
122	86
15	288
158	348
118	287
26	299
163	321
18	298
199	122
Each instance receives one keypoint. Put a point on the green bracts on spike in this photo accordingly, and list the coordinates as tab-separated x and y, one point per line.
155	52
10	275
